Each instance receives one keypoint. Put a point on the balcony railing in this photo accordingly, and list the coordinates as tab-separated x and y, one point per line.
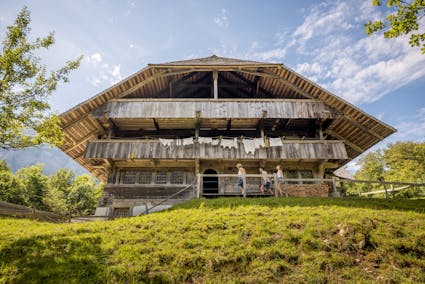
153	149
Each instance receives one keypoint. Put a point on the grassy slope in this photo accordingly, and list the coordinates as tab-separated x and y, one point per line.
226	240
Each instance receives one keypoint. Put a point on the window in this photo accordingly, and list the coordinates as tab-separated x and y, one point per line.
145	177
177	177
306	174
121	212
290	175
111	178
161	177
129	177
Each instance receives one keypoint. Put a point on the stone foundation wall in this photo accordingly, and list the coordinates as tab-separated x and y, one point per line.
307	190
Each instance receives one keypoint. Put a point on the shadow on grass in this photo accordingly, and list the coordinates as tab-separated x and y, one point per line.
416	205
53	259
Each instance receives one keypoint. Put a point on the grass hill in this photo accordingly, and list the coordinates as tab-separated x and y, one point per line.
229	240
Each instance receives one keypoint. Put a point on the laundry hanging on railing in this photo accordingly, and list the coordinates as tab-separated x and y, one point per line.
187	141
229	143
275	142
249	146
166	142
259	142
205	140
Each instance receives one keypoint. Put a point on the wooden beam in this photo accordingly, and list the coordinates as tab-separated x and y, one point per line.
153	78
350	144
258	89
215	78
358	125
155	122
229	124
280	79
71	123
91	135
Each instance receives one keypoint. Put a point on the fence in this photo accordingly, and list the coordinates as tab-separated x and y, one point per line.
388	187
13	210
251	184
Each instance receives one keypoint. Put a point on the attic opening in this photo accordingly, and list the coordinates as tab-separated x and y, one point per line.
205	84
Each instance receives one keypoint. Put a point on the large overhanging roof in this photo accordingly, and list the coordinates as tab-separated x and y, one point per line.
356	128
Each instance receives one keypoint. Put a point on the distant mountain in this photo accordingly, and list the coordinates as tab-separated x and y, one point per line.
51	157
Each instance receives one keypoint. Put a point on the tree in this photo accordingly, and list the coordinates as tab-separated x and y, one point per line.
59	185
401	161
405	19
372	169
25	86
11	190
35	188
83	196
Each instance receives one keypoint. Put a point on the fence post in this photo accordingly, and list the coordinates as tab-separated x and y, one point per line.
275	185
198	185
244	186
335	192
385	187
392	190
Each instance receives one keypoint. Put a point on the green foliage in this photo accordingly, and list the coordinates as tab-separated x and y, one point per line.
403	20
83	195
11	189
25	86
34	185
61	192
401	161
231	240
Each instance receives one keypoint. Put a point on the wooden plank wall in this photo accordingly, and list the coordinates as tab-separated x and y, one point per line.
135	108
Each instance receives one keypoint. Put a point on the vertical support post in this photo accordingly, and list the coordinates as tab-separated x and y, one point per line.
275	184
385	187
198	179
215	78
335	191
198	185
244	186
392	190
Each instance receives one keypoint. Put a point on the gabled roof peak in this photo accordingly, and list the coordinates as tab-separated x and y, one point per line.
215	60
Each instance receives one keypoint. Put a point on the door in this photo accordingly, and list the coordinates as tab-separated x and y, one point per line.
210	184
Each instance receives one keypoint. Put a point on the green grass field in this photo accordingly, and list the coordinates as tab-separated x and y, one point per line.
229	240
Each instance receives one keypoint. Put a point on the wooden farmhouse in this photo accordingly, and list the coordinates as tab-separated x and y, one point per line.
185	124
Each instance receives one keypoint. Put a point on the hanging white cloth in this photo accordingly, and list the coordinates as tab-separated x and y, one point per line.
229	143
205	140
166	142
249	146
259	142
215	142
187	141
275	142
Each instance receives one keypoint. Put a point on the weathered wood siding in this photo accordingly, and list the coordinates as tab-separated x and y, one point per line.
134	108
151	149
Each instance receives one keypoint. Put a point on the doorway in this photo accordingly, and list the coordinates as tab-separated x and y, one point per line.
210	184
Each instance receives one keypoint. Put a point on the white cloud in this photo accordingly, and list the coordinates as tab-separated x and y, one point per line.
93	59
360	69
101	73
222	20
270	55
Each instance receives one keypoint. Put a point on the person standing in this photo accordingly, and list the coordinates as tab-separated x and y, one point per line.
280	176
241	176
265	182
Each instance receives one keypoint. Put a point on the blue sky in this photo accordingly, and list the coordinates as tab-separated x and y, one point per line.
323	41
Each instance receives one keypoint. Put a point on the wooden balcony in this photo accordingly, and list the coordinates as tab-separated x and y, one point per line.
153	149
148	114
